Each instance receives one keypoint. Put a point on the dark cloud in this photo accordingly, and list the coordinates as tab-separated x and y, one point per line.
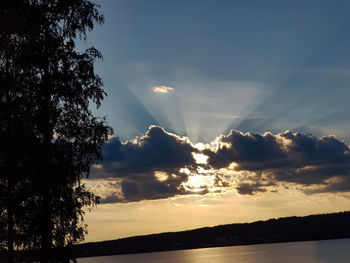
158	149
255	182
287	157
312	151
249	151
148	187
335	185
249	188
151	166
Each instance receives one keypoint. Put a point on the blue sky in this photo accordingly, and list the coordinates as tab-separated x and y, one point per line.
243	96
248	65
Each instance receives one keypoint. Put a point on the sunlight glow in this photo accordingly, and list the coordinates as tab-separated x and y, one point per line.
161	176
200	146
200	158
185	170
198	183
201	170
232	166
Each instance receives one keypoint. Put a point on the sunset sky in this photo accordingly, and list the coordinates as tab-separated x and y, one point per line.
223	111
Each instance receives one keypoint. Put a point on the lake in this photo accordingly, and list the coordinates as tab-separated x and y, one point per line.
325	251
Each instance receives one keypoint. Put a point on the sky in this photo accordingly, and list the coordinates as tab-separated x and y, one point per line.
223	112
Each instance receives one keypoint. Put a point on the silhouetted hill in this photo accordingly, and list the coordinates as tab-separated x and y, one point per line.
287	229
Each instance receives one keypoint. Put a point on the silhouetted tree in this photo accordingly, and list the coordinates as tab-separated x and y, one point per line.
53	85
14	116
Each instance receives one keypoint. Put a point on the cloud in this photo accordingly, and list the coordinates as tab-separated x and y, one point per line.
249	188
161	165
251	151
148	167
156	149
162	89
283	158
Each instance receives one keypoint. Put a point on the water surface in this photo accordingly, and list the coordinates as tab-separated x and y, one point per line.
325	251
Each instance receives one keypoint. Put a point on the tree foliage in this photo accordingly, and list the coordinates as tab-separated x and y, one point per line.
47	88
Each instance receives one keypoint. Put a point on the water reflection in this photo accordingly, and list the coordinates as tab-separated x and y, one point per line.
328	251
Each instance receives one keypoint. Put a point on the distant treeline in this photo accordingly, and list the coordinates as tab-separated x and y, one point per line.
287	229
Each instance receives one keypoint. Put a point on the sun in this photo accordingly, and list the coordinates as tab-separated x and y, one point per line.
197	183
